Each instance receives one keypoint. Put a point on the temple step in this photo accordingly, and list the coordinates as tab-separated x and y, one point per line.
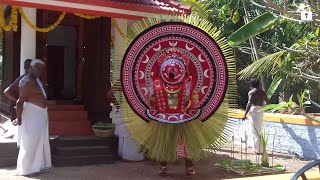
67	119
68	151
67	115
82	160
70	128
8	153
80	151
8	162
84	141
65	107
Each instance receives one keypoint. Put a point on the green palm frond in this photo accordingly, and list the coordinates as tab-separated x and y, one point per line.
266	65
199	8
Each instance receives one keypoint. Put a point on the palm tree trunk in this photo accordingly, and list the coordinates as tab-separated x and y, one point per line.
254	47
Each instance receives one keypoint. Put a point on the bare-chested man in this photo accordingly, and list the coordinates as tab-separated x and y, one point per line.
257	97
12	92
32	118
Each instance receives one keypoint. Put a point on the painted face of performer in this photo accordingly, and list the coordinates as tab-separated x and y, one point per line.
173	71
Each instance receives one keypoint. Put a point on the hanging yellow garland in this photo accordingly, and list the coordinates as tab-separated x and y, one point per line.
47	29
13	23
86	16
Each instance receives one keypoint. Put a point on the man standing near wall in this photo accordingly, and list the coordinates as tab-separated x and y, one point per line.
12	93
32	118
257	97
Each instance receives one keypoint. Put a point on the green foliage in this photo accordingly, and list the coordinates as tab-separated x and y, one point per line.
235	18
264	142
258	25
224	14
302	99
274	85
278	65
291	106
285	33
267	65
279	107
246	167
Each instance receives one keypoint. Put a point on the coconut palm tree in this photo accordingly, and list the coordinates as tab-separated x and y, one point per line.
292	54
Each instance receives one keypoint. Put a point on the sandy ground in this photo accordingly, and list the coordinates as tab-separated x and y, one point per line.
206	169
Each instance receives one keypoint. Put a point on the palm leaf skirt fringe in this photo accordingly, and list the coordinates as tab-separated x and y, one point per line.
159	141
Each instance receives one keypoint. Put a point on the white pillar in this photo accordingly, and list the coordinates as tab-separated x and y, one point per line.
120	43
28	38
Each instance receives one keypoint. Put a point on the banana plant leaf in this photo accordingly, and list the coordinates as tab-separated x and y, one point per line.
258	25
274	86
277	107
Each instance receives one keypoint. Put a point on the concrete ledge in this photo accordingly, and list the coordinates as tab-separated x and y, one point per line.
281	118
296	140
311	175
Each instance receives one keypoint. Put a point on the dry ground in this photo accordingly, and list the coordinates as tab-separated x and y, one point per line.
206	169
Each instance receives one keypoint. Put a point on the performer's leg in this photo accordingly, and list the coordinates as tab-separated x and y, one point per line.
189	167
163	168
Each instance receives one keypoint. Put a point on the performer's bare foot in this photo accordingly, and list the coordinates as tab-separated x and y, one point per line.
190	171
163	171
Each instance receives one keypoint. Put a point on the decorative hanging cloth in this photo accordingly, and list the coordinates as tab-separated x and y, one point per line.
178	80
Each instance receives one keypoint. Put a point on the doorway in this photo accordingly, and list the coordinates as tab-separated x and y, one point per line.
61	61
55	73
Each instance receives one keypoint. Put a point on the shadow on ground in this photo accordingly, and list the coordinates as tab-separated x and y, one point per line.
145	170
206	169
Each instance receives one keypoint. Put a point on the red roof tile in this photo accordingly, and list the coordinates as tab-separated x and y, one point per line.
131	9
165	6
151	6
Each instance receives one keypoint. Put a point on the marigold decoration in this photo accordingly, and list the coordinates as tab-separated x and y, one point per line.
47	29
13	22
85	16
178	80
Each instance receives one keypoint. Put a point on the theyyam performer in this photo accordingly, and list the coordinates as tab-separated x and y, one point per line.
178	81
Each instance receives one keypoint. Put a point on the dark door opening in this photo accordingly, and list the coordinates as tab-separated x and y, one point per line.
55	73
62	59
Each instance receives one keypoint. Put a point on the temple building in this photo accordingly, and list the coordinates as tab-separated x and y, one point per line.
77	40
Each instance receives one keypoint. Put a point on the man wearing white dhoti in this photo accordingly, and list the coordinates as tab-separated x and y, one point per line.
257	97
32	118
256	121
128	149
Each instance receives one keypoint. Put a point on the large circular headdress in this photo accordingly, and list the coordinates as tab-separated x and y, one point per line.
177	76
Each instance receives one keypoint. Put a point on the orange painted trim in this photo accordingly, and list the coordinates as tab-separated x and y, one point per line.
281	118
70	10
